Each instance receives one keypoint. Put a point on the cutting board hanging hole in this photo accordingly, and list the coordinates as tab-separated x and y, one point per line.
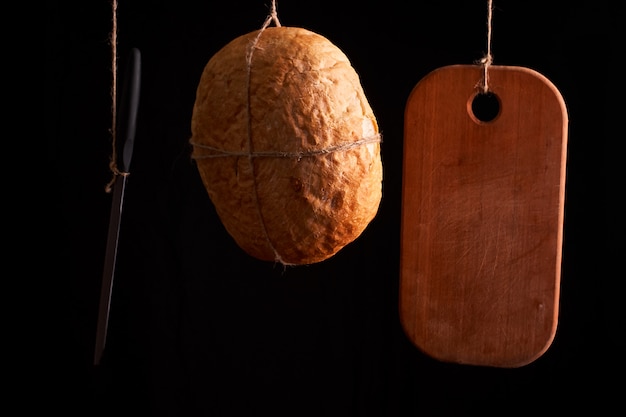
484	107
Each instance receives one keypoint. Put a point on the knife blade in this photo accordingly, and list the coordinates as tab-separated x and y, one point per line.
125	136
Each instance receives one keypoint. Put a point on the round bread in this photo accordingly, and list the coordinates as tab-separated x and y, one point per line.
287	145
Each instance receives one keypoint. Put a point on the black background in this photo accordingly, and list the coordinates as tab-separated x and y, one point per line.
200	328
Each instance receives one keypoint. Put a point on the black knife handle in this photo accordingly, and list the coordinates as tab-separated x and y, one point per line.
129	107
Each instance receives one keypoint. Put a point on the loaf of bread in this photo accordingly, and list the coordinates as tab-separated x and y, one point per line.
287	145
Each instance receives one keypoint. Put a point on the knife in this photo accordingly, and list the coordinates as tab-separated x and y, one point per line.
125	136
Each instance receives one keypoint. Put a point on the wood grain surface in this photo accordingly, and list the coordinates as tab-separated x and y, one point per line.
482	216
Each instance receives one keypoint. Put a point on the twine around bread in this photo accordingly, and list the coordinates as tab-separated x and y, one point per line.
219	153
203	151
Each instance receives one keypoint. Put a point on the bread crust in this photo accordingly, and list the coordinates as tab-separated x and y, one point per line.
287	145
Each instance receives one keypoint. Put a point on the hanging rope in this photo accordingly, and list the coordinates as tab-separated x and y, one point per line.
113	159
488	58
272	16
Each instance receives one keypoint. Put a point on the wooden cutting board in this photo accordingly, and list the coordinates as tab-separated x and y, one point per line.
482	216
